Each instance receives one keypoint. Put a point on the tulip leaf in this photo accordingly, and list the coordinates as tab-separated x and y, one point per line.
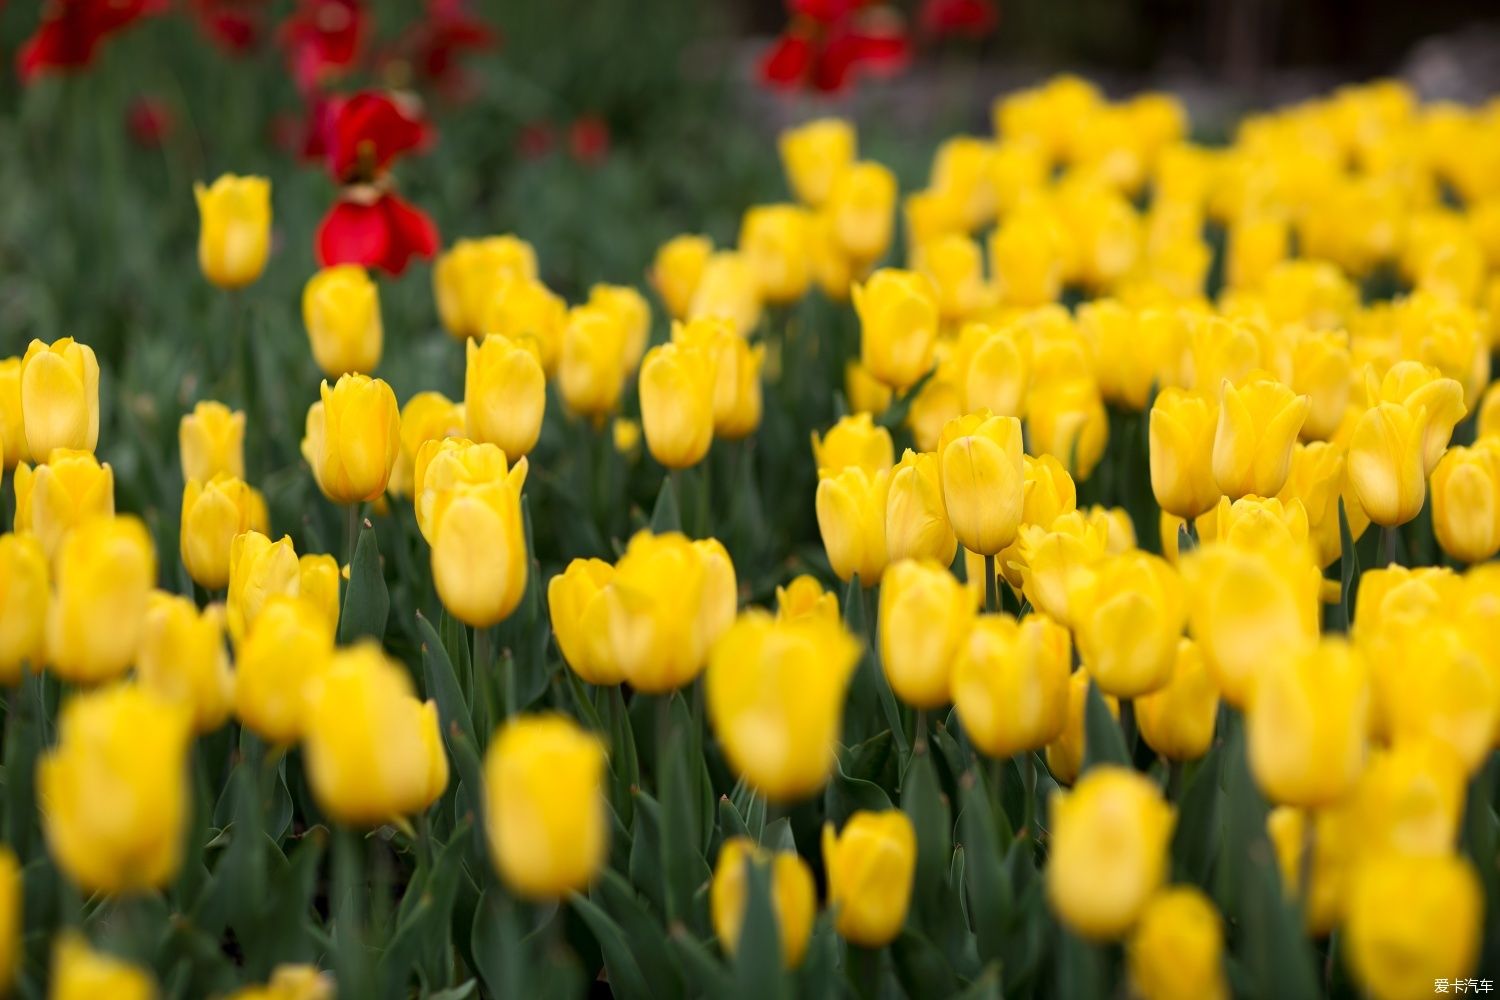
667	514
704	973
367	603
988	885
922	800
625	978
921	967
683	868
424	929
1195	839
23	739
778	836
643	931
874	760
624	762
900	407
496	943
462	991
1080	968
985	987
757	959
845	796
730	820
455	642
818	973
1480	837
1348	566
1103	743
645	851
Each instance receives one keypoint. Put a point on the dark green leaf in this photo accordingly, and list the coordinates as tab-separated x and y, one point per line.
1103	743
625	976
367	603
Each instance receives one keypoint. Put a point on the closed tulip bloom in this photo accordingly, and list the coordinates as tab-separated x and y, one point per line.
804	597
794	898
23	604
1257	243
291	982
814	155
1322	371
318	579
856	440
1385	463
53	499
80	973
128	745
775	241
1110	836
1058	560
1027	257
1123	360
1128	616
427	416
832	268
59	397
12	428
898	323
729	289
505	394
1307	724
1421	389
1258	424
775	694
1318	481
545	810
474	524
677	403
1401	595
353	438
529	313
995	369
625	435
984	475
1410	799
258	569
862	207
234	229
373	751
1252	521
1066	418
213	514
1176	951
1182	448
864	392
591	369
1177	720
925	614
955	265
290	643
677	269
870	867
632	311
576	607
851	507
1048	493
1010	683
1413	921
184	660
341	311
212	440
936	403
1065	754
1466	502
1431	682
736	365
916	521
105	571
468	274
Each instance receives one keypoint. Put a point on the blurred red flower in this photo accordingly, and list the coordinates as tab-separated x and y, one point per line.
375	228
71	30
960	18
233	25
588	139
535	140
434	44
149	121
323	39
364	133
829	42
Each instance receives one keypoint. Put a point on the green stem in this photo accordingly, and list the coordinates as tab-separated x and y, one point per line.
351	534
18	767
1027	763
679	493
1174	781
350	889
991	586
1387	544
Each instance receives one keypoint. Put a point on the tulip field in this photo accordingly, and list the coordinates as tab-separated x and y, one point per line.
1062	565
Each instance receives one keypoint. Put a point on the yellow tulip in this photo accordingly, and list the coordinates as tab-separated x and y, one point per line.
258	569
728	289
1257	243
1413	921
832	268
1488	426
289	644
1252	521
1128	616
1010	683
1466	502
677	270
794	898
775	240
1337	848
1048	493
1058	560
55	498
469	274
80	973
291	982
1317	481
937	403
129	745
814	154
545	811
105	571
213	514
851	507
1258	424
632	311
1027	257
23	605
677	403
1385	463
898	323
1119	529
1124	360
862	207
591	369
574	601
625	435
916	521
12	897
870	867
925	614
59	397
528	313
962	170
505	394
1065	754
983	476
1410	799
373	751
12	428
804	597
212	440
427	416
736	365
1177	720
775	694
1321	371
864	392
1181	437
856	440
954	264
1110	836
1066	418
1436	403
1176	951
353	438
341	311
1401	596
183	658
995	367
234	233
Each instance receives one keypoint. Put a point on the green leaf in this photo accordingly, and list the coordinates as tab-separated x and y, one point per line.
844	796
730	820
757	960
705	974
777	836
367	603
1195	841
989	890
1348	566
921	967
986	987
425	919
666	515
923	801
1103	743
683	868
462	991
625	978
496	943
645	851
643	931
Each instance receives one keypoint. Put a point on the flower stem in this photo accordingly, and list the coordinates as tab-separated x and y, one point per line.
351	534
1387	544
991	586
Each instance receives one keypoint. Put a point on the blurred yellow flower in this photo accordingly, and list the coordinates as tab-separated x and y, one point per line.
870	867
341	311
353	438
794	898
234	232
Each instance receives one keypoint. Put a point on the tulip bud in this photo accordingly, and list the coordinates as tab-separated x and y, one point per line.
23	605
1430	682
470	512
935	404
545	811
1177	720
924	615
79	973
505	394
1410	799
995	369
632	311
1058	561
1128	616
870	867
234	234
1065	418
805	597
1110	837
1065	754
1252	521
983	475
1318	481
1123	362
1177	948
736	365
954	265
258	569
527	312
56	497
1257	243
1321	371
814	155
856	440
1436	402
916	521
794	898
292	982
105	571
1258	424
1027	255
625	435
864	392
677	403
59	397
373	751
470	273
1010	683
728	289
1413	921
212	440
341	310
290	643
576	607
832	268
12	429
353	438
775	240
1182	448
128	744
775	694
213	514
851	507
183	659
1385	463
931	214
591	370
1466	502
898	323
862	207
427	416
677	270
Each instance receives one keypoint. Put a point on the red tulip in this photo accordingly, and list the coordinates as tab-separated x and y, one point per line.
535	140
434	44
149	121
376	229
71	30
966	18
323	39
364	133
588	139
233	25
826	55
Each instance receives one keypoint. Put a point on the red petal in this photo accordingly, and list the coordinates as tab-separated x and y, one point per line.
787	61
71	30
352	234
368	131
411	233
